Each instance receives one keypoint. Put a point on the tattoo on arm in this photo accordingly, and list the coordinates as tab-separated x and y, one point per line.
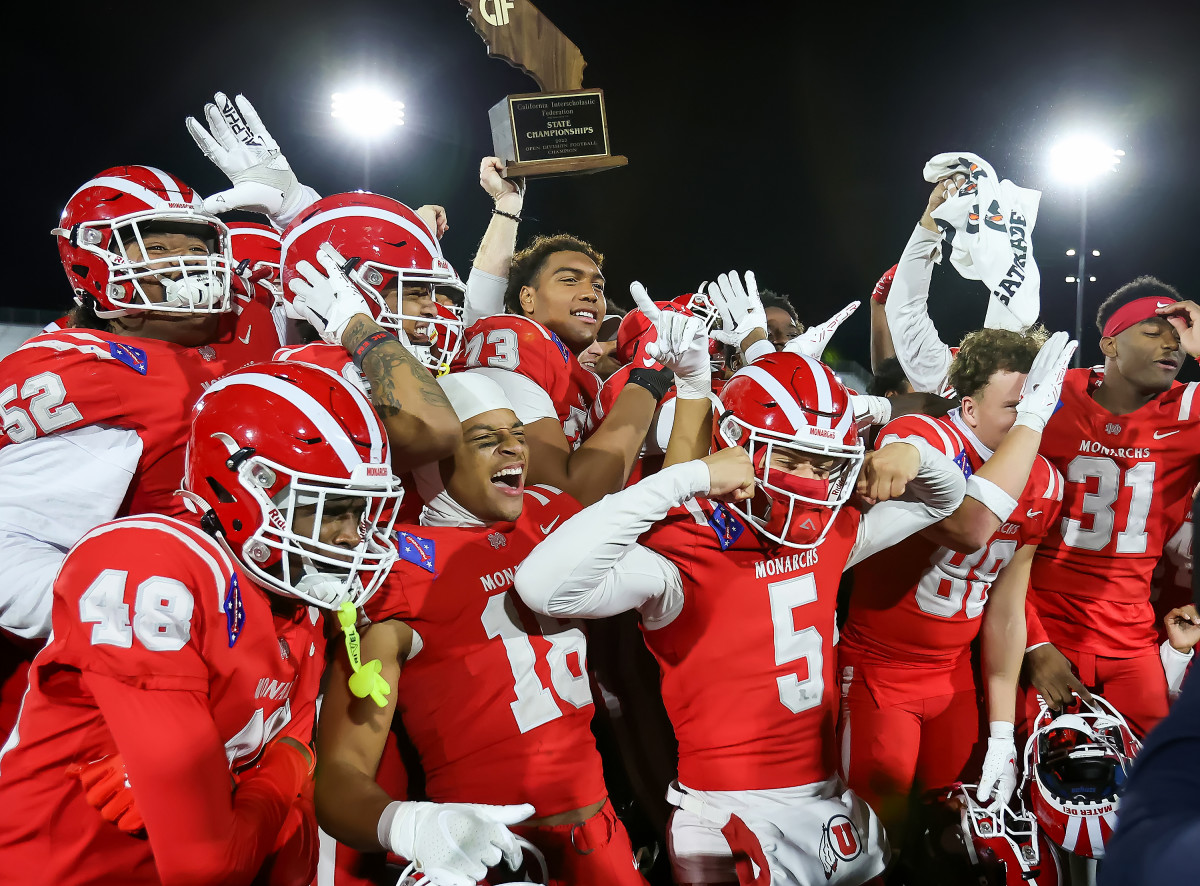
385	367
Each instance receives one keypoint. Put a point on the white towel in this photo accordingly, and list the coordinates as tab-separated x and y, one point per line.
988	227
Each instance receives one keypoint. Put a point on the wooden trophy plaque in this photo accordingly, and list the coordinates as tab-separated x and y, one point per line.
561	130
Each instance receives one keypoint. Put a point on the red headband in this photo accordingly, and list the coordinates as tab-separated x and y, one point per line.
1135	312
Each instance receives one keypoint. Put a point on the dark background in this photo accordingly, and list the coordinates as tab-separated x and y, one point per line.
784	138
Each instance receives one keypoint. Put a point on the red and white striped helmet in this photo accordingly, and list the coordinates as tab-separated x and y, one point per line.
1076	763
387	246
256	251
274	445
113	212
784	406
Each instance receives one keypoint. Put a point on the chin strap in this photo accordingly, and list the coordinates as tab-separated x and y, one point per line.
365	681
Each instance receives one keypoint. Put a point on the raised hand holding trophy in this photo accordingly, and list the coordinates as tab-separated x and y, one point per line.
561	130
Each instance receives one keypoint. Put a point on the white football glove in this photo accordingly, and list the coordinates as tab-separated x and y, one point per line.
328	301
999	765
455	843
1043	384
811	342
242	148
740	308
681	346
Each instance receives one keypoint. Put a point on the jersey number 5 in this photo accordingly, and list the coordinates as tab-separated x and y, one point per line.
162	619
535	703
792	645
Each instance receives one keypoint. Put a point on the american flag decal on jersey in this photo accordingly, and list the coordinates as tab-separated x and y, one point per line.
235	612
727	527
964	464
561	347
134	358
417	550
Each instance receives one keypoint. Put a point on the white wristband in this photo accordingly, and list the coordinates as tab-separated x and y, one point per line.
758	350
1001	729
870	411
383	830
1175	664
991	496
695	386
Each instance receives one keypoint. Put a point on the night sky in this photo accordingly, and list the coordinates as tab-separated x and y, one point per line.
784	138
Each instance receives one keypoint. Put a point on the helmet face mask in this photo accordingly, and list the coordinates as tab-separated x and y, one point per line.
102	244
965	841
296	562
444	330
275	490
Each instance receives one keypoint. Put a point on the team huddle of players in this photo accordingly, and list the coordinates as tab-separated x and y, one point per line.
301	530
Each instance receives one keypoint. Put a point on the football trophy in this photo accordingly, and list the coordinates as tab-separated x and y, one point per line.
561	130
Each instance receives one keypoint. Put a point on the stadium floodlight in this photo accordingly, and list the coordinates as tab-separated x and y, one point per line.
1081	158
1077	161
367	112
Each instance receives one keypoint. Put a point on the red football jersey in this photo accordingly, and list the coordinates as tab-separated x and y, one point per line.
495	698
249	333
521	345
1129	480
918	604
156	604
748	663
65	380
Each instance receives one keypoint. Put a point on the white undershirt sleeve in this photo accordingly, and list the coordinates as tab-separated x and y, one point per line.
529	400
933	495
609	571
53	490
484	297
923	356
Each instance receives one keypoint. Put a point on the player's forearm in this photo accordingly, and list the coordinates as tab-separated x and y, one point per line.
499	242
992	493
420	422
493	260
881	336
1003	648
691	431
603	463
349	804
924	357
608	573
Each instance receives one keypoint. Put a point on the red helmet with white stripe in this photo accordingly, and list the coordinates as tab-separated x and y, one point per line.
101	244
273	448
965	841
1077	763
256	251
387	247
794	418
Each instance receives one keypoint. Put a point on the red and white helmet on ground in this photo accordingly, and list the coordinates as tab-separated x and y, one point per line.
110	216
387	247
794	408
273	448
964	841
1077	763
256	253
